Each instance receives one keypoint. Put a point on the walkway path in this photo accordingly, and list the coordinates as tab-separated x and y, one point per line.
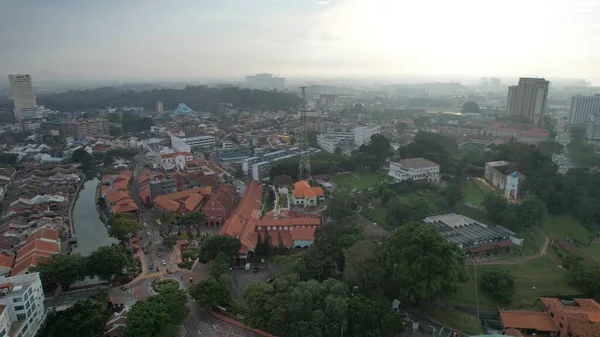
488	262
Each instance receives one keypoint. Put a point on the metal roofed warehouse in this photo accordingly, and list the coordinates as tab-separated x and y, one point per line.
469	234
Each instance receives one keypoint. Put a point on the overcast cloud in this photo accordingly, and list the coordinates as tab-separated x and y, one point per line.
230	38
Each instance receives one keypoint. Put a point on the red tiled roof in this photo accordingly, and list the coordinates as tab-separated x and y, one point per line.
46	234
36	247
303	233
513	332
2	306
251	201
192	202
115	196
539	321
302	189
124	207
7	260
584	318
491	246
175	154
166	203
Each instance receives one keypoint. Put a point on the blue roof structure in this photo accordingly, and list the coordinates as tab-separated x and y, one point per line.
182	109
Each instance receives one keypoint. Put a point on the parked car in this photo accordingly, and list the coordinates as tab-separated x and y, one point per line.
145	250
151	267
169	271
158	254
148	233
164	262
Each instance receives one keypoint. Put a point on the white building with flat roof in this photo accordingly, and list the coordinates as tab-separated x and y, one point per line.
415	169
21	305
362	134
193	144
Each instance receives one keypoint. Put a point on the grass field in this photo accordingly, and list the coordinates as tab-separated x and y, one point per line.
464	322
474	194
564	226
542	273
359	181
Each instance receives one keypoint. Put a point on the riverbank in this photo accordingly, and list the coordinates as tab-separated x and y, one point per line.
88	224
72	202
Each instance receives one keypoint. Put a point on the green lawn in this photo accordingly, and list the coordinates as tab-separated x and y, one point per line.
542	273
358	180
458	320
562	226
474	194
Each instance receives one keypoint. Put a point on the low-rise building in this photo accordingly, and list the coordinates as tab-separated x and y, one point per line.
305	195
193	144
246	224
472	236
22	309
415	169
561	317
502	175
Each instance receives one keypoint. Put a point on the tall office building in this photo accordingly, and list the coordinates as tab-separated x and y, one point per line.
159	107
531	99
22	93
511	100
494	83
582	107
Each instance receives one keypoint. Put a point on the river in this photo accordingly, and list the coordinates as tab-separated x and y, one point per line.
89	229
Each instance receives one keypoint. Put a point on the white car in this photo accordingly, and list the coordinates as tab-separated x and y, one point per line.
164	262
145	224
148	233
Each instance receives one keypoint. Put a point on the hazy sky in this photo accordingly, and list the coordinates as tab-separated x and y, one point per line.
230	38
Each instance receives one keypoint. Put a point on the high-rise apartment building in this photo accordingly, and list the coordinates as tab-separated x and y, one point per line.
21	305
82	128
531	99
511	100
159	107
22	93
265	81
582	107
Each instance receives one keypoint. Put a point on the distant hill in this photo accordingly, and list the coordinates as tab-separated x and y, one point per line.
198	98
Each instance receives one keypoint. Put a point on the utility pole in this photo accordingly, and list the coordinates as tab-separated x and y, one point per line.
476	294
304	155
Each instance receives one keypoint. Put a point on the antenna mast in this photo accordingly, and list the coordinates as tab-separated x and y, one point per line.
303	153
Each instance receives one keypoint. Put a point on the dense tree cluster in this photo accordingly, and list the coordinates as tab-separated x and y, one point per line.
123	226
584	274
291	307
370	156
160	315
214	245
84	318
499	284
406	209
199	98
106	262
130	123
529	212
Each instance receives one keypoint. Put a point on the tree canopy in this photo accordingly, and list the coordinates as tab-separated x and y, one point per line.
123	226
213	245
84	318
499	283
406	209
62	269
423	265
471	107
159	316
209	293
199	98
106	262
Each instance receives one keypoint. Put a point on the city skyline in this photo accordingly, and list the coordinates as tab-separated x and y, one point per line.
191	39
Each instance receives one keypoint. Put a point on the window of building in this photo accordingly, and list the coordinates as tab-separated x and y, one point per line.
19	307
560	325
17	299
21	317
